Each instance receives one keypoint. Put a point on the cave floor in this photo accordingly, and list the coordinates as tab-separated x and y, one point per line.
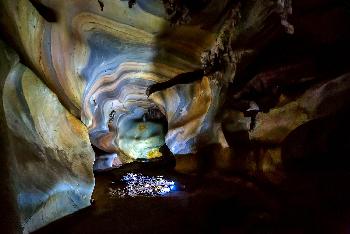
217	203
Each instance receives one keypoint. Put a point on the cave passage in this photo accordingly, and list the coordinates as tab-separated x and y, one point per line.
174	116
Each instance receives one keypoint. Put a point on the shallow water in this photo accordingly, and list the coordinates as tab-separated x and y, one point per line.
215	203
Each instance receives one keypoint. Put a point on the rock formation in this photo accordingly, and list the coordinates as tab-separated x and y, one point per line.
48	151
143	74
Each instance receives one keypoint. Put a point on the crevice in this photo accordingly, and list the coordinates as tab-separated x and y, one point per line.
47	13
102	5
183	78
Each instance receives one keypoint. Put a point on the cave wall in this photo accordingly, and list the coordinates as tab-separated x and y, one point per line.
99	62
48	153
233	79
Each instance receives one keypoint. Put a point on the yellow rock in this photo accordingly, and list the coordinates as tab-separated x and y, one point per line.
154	153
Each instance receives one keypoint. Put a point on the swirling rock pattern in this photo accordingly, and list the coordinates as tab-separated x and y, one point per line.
190	111
49	152
102	57
100	64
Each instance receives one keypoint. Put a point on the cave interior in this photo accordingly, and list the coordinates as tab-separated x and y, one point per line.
174	116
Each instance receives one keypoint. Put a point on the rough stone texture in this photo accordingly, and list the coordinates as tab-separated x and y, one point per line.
319	101
49	153
235	121
298	132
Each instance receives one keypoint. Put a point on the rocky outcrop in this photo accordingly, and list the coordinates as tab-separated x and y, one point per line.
49	156
319	101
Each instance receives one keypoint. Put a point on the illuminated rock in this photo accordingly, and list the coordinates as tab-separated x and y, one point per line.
142	74
190	111
100	57
49	153
319	101
102	62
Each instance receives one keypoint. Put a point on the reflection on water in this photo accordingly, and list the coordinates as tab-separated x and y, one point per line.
141	185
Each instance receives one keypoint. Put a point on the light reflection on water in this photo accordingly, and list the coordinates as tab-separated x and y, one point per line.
140	185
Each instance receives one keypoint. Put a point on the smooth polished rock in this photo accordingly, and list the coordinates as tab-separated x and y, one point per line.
100	57
190	111
50	157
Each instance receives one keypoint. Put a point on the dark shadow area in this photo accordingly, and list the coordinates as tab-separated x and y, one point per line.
183	78
47	13
313	198
319	145
290	64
